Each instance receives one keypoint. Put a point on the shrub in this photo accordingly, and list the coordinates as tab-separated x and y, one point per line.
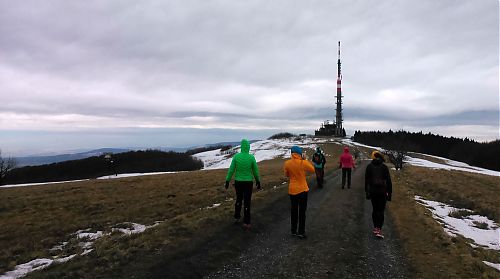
282	136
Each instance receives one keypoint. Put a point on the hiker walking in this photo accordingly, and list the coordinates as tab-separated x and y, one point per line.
346	162
244	167
319	162
295	169
378	188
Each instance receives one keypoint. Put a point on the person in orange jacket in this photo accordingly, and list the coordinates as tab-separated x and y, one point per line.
295	169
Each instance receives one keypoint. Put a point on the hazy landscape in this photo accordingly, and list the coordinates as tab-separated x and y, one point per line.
119	121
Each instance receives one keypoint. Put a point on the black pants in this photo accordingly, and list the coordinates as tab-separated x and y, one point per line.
320	173
298	211
243	194
378	203
346	172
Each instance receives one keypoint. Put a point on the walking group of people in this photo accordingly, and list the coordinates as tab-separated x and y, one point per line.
378	186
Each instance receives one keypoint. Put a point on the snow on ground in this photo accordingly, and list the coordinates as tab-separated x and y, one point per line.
488	238
135	228
37	264
447	165
37	184
494	265
121	175
262	150
90	237
450	165
133	174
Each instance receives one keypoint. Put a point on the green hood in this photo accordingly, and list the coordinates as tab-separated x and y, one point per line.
245	146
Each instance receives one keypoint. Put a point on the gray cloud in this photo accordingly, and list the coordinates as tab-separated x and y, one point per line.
260	64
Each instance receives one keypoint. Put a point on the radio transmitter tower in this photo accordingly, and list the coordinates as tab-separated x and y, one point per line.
339	130
335	129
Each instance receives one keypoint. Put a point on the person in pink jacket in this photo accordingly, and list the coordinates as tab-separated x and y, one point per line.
346	162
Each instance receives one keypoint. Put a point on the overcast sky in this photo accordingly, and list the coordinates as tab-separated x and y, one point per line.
87	74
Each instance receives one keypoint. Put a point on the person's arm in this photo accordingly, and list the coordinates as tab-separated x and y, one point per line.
285	170
367	182
231	170
389	184
308	166
255	170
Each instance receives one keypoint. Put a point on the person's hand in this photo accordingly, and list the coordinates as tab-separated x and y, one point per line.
226	185
388	196
368	196
258	185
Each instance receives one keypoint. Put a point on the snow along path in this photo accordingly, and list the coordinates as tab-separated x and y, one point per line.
488	238
448	163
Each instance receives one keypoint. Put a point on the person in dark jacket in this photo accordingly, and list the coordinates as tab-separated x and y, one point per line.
319	162
245	169
378	188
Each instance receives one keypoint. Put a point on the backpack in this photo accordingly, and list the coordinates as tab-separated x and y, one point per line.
316	158
378	180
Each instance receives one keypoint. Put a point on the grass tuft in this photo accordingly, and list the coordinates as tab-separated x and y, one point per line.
460	213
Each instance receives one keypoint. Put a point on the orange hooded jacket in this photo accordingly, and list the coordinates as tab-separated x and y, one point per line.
295	169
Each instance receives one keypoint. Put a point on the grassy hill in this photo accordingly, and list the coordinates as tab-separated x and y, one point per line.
33	220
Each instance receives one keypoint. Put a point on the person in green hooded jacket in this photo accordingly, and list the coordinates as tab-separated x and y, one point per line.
244	167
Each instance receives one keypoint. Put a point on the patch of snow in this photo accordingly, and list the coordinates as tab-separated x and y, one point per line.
88	235
136	228
428	164
59	247
214	206
34	265
86	252
80	180
488	238
121	175
494	265
41	183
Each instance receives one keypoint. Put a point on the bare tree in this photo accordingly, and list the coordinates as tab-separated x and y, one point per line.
397	157
397	150
6	165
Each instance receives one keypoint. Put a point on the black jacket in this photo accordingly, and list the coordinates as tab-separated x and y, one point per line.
378	179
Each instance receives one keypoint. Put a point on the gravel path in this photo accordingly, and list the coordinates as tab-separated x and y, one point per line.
339	241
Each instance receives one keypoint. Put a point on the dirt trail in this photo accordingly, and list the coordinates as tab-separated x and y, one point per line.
339	242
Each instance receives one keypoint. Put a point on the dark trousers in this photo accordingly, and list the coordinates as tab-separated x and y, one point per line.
378	203
320	173
298	212
346	172
243	194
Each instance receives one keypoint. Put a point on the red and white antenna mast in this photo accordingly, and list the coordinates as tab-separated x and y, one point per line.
339	130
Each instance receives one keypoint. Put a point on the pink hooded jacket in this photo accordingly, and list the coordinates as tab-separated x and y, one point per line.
346	160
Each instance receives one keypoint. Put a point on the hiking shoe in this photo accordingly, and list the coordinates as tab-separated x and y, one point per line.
379	234
236	220
376	230
294	234
301	235
247	227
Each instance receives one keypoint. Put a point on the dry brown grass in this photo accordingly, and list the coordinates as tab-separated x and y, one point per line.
34	219
432	252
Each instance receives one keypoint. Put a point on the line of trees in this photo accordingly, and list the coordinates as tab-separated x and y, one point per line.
128	162
485	155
